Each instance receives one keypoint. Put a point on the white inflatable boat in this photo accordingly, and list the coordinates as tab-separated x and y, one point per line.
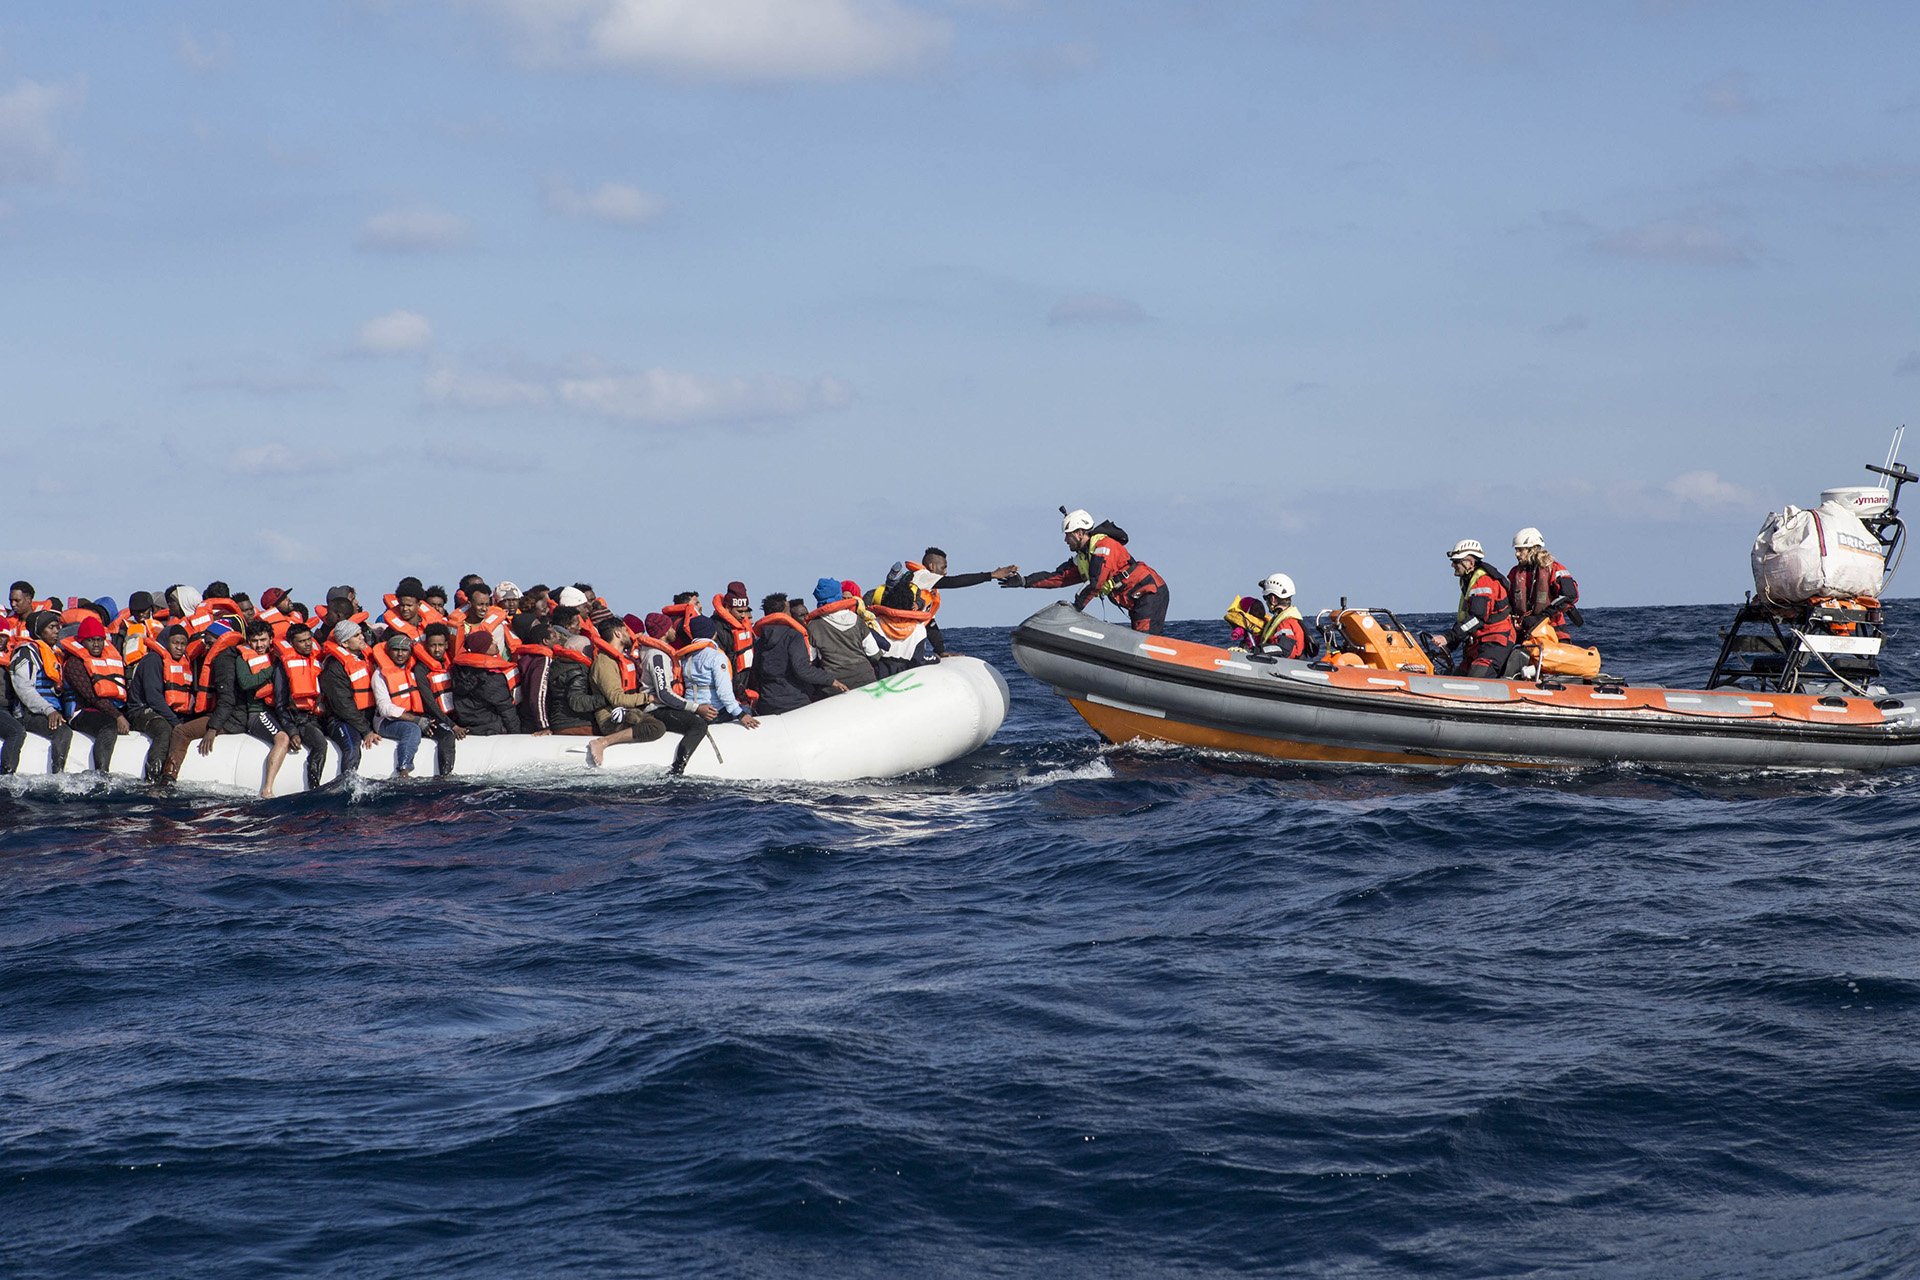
920	719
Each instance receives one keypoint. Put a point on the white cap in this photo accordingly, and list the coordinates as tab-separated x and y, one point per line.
1528	537
1277	584
572	598
506	591
1467	547
1076	520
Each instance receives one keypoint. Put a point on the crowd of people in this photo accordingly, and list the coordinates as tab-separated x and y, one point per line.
1536	599
184	666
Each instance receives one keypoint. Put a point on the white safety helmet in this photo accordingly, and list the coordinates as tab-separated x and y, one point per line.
1076	520
1528	537
1467	547
1277	584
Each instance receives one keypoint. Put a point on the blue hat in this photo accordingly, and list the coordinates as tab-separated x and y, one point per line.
826	591
108	603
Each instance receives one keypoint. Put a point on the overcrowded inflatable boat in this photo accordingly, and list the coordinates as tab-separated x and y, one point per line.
920	719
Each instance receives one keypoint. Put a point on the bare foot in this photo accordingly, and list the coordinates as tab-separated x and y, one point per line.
266	793
595	754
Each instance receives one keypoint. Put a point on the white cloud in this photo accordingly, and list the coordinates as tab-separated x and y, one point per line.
396	333
740	40
30	148
1705	489
661	397
276	459
412	229
613	202
470	389
1700	237
286	550
204	58
1096	308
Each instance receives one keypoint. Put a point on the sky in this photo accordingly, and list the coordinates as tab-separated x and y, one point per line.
662	293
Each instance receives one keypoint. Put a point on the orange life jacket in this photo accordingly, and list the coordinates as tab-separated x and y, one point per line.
564	654
303	677
428	614
786	619
928	599
108	671
401	689
203	686
137	639
898	624
436	678
492	662
359	675
260	664
203	617
672	658
740	633
176	682
838	606
629	669
277	620
492	618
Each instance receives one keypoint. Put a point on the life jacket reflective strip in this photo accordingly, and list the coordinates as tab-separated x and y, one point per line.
492	662
203	686
1133	578
108	671
665	658
788	620
629	669
137	640
260	664
176	682
741	635
489	620
437	679
394	622
1498	626
428	614
203	617
401	689
359	675
303	677
277	620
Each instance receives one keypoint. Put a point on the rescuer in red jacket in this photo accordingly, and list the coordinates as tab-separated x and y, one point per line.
1483	624
1101	561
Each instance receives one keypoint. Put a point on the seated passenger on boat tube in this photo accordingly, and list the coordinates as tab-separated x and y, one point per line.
1483	624
1271	624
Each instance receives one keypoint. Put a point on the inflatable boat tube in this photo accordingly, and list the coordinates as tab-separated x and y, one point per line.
1129	686
923	718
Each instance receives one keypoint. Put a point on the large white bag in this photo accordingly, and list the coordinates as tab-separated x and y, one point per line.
1828	552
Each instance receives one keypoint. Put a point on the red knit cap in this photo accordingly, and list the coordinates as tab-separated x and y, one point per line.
92	629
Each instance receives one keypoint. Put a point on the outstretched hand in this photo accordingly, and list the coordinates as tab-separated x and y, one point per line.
1006	571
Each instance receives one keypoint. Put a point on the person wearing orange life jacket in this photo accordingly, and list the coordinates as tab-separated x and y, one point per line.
841	633
400	706
533	658
927	578
1542	589
786	671
296	703
1483	624
346	694
241	676
479	613
618	676
1102	562
485	687
274	602
659	660
94	689
34	679
21	606
1284	632
140	632
159	695
403	612
572	699
433	677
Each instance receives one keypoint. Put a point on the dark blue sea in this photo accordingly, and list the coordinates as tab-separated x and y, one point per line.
1054	1010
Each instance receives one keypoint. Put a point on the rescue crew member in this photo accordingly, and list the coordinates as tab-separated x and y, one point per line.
1483	624
1284	633
1101	560
34	673
1542	589
95	689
